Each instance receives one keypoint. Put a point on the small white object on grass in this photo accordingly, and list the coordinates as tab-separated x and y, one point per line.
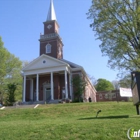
2	107
36	106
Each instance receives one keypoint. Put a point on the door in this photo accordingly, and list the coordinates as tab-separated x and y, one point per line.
48	94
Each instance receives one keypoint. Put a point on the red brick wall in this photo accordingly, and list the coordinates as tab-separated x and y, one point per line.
27	96
34	89
59	83
55	43
116	96
56	84
53	29
42	79
62	84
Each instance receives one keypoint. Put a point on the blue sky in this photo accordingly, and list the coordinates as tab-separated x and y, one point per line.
21	22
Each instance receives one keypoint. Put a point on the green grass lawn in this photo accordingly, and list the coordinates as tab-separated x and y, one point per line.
74	121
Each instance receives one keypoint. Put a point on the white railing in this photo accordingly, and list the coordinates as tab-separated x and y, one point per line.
48	36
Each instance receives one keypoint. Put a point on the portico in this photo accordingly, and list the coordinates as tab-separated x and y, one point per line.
34	79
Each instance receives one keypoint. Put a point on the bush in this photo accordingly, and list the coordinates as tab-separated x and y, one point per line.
11	93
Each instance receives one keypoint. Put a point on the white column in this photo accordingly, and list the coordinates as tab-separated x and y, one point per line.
37	87
52	93
70	85
66	85
24	88
31	89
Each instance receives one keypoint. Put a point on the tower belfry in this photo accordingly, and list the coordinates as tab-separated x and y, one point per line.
51	43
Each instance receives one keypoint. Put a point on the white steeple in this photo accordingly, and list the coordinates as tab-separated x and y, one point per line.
51	12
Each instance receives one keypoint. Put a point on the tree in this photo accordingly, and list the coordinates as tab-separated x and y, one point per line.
116	84
4	54
125	81
104	85
117	24
79	85
10	70
92	79
11	87
13	75
25	63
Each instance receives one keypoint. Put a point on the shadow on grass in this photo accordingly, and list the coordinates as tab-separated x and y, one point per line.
135	116
106	117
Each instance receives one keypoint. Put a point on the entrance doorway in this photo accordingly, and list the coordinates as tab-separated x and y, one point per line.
47	92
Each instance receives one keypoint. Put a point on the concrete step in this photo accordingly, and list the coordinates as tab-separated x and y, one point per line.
33	103
53	102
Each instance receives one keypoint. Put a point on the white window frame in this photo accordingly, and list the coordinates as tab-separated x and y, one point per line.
48	48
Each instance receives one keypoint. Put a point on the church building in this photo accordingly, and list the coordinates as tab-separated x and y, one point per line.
48	78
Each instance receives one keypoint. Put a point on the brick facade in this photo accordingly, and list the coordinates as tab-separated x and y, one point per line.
114	95
59	84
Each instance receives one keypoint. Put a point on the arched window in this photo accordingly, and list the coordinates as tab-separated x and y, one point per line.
48	48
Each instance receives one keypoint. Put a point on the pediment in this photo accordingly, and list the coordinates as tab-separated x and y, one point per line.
44	61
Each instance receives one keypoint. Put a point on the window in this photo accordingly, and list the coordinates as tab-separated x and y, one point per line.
106	96
48	48
44	61
59	51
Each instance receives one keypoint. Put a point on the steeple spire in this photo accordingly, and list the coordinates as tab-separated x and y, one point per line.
51	12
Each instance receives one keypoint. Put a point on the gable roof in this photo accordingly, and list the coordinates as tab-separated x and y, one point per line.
44	61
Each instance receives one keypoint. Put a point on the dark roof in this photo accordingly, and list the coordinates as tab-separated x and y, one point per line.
72	65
